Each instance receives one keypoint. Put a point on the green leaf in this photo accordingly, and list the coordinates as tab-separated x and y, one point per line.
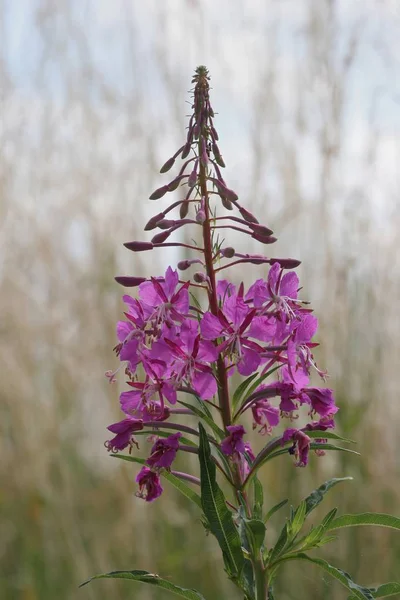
255	531
297	522
180	485
328	518
315	446
200	413
317	495
258	498
218	515
365	519
358	592
274	509
146	577
240	390
280	545
255	385
329	435
386	589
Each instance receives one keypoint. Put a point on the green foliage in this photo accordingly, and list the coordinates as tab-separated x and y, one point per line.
150	578
216	512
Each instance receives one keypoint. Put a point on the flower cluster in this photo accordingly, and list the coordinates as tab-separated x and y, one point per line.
169	345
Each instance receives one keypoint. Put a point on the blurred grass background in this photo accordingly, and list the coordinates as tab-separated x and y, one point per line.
92	103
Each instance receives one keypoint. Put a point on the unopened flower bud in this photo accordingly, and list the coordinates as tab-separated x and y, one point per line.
130	281
226	203
166	223
196	131
183	264
247	216
152	223
261	229
186	150
263	239
184	209
286	263
174	184
168	165
214	134
200	216
217	155
193	175
199	277
159	193
228	252
203	154
159	238
138	246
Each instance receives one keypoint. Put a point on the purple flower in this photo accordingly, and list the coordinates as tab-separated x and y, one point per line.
322	400
244	466
164	451
190	360
234	324
301	445
124	430
266	415
150	393
234	444
164	302
149	485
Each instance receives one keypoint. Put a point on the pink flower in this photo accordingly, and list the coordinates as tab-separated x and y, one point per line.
301	445
266	415
164	451
123	430
234	444
163	300
149	485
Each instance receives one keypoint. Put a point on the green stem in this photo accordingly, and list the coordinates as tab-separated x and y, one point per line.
260	580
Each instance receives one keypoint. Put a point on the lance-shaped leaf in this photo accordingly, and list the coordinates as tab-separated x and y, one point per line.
175	481
317	495
218	515
358	592
383	591
379	519
146	577
274	509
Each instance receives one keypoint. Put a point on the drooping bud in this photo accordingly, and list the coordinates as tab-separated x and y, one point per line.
247	216
168	165
171	187
166	223
286	263
263	239
201	213
193	175
138	246
184	209
199	277
159	238
185	264
130	281
226	203
261	229
152	223
159	193
228	252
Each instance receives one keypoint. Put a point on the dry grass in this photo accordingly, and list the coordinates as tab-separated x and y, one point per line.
82	134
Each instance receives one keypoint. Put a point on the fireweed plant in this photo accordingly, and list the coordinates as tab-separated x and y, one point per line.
182	340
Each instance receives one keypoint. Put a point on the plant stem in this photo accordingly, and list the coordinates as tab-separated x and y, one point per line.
223	391
260	580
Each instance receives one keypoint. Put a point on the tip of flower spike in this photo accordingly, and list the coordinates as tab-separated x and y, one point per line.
139	246
130	281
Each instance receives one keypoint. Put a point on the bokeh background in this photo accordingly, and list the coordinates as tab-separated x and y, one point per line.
93	101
